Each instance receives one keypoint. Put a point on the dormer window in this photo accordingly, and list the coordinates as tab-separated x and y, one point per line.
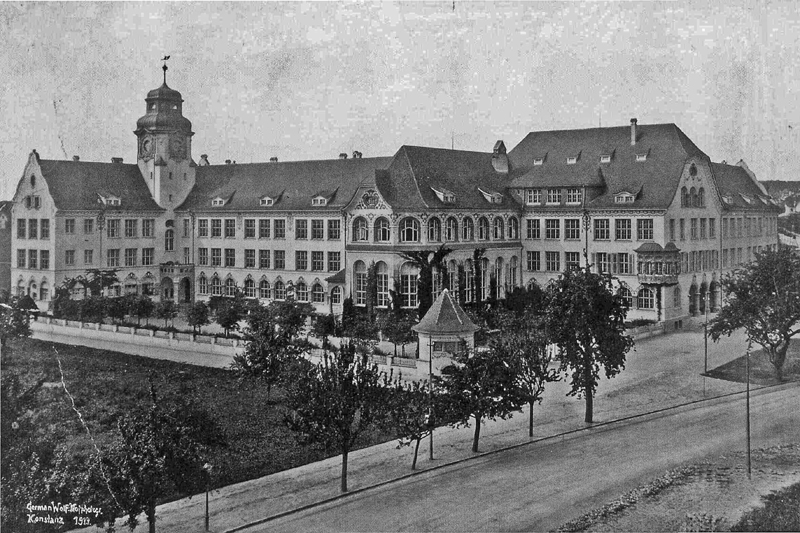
746	198
109	200
267	201
553	196
605	158
574	196
641	157
319	201
572	160
624	198
533	196
491	196
217	202
444	195
538	161
727	199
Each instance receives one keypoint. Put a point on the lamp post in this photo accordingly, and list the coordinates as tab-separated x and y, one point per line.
747	357
430	397
586	225
705	329
207	468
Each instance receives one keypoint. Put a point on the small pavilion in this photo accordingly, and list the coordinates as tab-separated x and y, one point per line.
443	331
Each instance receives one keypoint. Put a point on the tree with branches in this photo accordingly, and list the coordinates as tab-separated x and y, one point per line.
763	297
197	316
166	310
586	319
426	261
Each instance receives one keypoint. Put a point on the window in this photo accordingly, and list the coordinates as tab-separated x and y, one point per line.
623	263
574	196
624	198
467	229
230	287
336	295
622	229
230	257
202	228
130	257
280	290
263	228
216	228
533	196
216	286
249	288
672	229
641	157
533	228
263	259
202	256
301	291
319	201
513	228
266	201
712	228
434	229
605	158
572	260
217	202
701	197
382	230
317	261
44	259
572	229
645	300
280	228
553	196
334	230
334	261
409	230
301	229
149	253
451	230
250	258
112	227
538	161
88	226
69	227
602	262
131	228
382	282
169	240
88	257
280	259
230	228
360	230
693	229
187	227
685	199
552	261
317	294
250	230
112	258
360	282
33	228
683	229
21	258
32	258
625	295
601	229
317	229
703	227
263	289
216	257
22	228
408	285
69	258
644	229
498	233
571	160
301	260
552	228
483	229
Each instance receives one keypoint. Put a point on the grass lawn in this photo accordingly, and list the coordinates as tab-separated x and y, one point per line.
781	512
761	370
105	383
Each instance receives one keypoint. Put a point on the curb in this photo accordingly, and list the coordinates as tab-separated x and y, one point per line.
479	455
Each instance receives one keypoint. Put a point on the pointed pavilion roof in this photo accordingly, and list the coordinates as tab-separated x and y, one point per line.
445	317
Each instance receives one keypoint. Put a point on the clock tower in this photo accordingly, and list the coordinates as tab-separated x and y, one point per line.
164	151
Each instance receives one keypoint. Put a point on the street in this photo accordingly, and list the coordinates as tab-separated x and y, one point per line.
540	486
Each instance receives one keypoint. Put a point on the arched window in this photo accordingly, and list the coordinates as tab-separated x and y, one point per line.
452	274
409	230
693	198
44	290
249	288
451	229
280	290
434	229
169	240
676	297
202	285
499	278
437	282
336	295
216	286
230	287
483	229
408	285
469	280
701	197
513	228
645	299
498	233
263	289
467	229
360	282
684	197
382	279
383	232
317	293
485	273
627	298
301	290
513	268
360	230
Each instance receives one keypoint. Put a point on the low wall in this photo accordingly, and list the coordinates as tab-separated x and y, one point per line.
181	347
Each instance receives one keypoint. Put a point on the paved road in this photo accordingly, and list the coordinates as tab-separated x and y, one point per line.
540	486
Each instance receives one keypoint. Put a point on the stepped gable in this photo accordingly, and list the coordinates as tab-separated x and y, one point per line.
292	184
654	180
445	317
406	183
75	185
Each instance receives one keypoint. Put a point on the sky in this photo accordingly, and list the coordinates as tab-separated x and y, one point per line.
309	80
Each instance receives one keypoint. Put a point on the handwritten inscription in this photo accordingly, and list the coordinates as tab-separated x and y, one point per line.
52	513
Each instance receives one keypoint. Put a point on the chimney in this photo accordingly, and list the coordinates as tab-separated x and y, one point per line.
204	160
343	156
227	161
116	160
76	158
273	159
633	131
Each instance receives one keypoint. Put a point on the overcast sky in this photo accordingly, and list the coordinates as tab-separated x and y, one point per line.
302	80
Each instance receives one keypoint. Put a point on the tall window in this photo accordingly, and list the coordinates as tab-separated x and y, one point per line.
645	299
317	294
574	196
572	260
249	288
69	227
513	267
360	282
409	230
622	229
318	261
112	258
230	257
601	229
280	290
434	229
130	257
553	261
250	232
301	229
336	295
467	229
408	285
33	228
693	228
264	228
45	233
451	229
202	228
202	285
263	289
383	232
572	229
334	230
280	228
131	228
88	226
317	229
230	228
469	280
552	228
301	260
483	229
625	295
216	228
382	278
684	197
280	259
149	253
360	231
533	229
533	196
499	229
513	228
301	290
112	227
263	259
644	229
187	227
249	258
169	240
88	257
32	259
216	257
22	225
534	261
230	287
216	286
553	196
334	261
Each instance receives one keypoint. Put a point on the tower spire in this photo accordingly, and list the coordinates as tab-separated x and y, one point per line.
164	68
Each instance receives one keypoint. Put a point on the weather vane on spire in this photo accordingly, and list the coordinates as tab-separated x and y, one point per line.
164	68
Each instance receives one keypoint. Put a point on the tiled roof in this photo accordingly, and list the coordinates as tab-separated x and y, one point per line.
733	181
406	185
75	185
666	146
446	317
292	183
339	277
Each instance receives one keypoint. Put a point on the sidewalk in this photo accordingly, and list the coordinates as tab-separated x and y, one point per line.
661	372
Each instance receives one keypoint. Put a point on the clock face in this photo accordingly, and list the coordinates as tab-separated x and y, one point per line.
147	146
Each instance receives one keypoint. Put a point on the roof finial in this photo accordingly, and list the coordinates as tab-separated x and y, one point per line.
164	68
